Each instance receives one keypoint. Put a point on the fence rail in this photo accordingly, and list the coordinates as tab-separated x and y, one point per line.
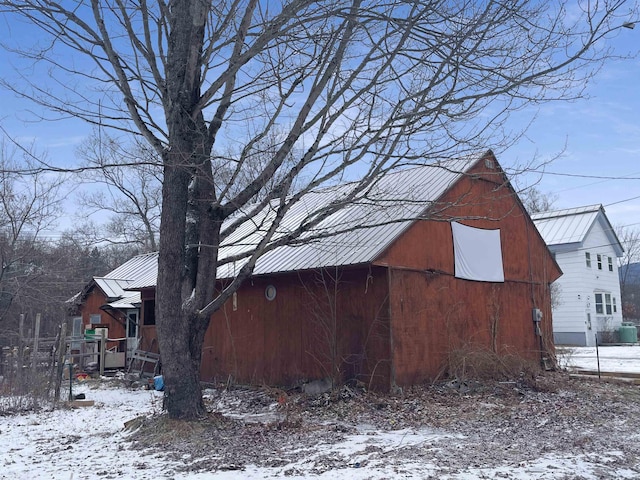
36	359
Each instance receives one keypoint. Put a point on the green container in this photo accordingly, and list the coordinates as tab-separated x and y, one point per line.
628	333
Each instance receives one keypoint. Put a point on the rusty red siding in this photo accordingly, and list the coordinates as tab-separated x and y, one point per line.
294	337
434	313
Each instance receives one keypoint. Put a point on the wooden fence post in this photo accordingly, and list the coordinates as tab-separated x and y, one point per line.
36	341
61	349
103	346
20	359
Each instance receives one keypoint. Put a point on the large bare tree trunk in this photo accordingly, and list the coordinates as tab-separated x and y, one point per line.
183	398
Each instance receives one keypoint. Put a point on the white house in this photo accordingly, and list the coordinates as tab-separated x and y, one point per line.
588	293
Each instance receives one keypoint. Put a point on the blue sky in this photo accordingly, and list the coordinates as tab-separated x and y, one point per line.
598	136
593	138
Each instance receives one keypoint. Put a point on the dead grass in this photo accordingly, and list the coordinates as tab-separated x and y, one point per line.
481	365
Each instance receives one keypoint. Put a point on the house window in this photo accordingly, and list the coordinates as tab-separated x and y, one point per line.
149	312
599	262
610	260
587	256
95	319
599	303
615	308
605	304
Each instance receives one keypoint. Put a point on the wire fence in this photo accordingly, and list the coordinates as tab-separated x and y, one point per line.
621	361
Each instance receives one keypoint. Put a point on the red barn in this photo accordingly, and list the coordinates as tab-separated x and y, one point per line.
433	259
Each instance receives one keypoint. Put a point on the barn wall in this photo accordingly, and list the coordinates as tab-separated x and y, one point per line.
293	338
482	202
436	314
433	312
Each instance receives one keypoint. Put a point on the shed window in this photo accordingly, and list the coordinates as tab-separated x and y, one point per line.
587	257
599	262
149	312
610	260
77	327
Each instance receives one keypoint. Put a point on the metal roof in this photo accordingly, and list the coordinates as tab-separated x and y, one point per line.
561	227
357	233
135	267
149	279
113	284
132	300
111	287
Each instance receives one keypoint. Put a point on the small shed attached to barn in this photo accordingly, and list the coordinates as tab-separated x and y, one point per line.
105	305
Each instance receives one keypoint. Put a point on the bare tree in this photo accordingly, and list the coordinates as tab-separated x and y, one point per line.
125	179
536	201
29	206
357	87
629	280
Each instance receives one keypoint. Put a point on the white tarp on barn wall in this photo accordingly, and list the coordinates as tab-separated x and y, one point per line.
478	253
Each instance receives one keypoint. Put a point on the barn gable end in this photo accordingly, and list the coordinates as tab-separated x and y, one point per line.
434	314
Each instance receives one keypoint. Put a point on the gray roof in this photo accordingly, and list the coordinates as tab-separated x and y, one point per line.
113	284
135	267
111	287
355	234
132	300
571	226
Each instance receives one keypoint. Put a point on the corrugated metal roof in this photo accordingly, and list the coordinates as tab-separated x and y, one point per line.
132	300
355	234
148	280
566	226
135	267
111	287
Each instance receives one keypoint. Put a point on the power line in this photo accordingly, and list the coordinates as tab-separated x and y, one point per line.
597	177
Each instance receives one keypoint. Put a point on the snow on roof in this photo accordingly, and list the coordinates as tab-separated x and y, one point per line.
572	225
355	234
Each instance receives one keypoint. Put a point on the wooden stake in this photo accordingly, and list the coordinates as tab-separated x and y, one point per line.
103	346
61	350
36	341
20	360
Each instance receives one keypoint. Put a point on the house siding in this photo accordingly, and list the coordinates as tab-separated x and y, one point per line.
577	289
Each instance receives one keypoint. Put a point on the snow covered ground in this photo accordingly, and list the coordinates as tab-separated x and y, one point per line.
92	443
619	359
